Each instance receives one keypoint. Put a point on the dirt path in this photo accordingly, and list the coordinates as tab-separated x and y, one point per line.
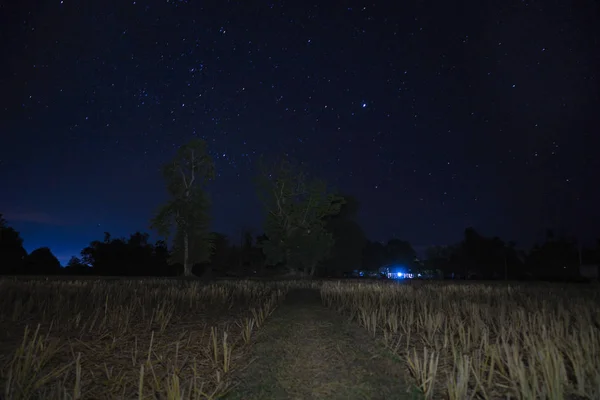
306	351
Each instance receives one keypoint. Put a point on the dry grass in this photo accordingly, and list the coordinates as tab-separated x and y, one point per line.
144	339
165	339
463	341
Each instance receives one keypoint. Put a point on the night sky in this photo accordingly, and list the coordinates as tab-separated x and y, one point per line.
436	115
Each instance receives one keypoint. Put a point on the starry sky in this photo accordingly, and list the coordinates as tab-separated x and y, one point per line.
435	115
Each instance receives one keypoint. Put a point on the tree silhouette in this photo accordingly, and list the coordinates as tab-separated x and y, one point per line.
400	252
395	251
374	256
42	262
557	258
222	255
77	267
186	214
132	257
296	207
349	239
444	258
12	252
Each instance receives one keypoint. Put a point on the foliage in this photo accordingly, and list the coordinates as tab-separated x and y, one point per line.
76	266
480	257
12	252
117	257
477	256
558	256
243	258
349	239
296	210
307	248
400	252
185	216
201	240
221	254
42	262
374	256
395	251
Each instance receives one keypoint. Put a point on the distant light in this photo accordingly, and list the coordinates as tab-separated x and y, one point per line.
364	105
399	274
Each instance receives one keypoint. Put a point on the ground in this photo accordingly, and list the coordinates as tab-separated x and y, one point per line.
163	339
306	351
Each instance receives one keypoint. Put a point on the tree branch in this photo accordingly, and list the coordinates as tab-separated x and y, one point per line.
193	170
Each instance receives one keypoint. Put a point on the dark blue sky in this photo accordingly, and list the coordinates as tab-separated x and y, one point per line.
435	116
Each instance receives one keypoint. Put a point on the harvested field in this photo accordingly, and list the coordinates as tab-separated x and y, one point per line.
95	339
170	339
490	341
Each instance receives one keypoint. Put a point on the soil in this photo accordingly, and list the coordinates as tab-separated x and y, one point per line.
306	351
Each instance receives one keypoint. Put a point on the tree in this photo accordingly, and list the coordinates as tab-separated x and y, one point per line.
480	256
221	259
241	252
107	257
12	252
296	208
349	239
444	258
75	262
374	256
185	216
160	259
556	258
42	262
486	258
76	267
123	257
400	252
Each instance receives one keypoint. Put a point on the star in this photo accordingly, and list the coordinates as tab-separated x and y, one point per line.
88	128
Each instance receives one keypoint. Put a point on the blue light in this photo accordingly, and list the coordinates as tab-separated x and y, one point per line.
399	274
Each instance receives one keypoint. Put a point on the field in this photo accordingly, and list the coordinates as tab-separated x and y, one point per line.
126	339
168	339
462	341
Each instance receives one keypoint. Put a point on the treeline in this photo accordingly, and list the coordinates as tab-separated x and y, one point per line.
558	257
310	229
475	257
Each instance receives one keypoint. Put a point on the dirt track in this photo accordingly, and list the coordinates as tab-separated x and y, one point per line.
306	351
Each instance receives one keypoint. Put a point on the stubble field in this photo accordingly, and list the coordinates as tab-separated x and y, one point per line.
166	339
491	341
152	338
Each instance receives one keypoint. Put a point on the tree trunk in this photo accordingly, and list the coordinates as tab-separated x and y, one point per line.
288	263
312	269
187	268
